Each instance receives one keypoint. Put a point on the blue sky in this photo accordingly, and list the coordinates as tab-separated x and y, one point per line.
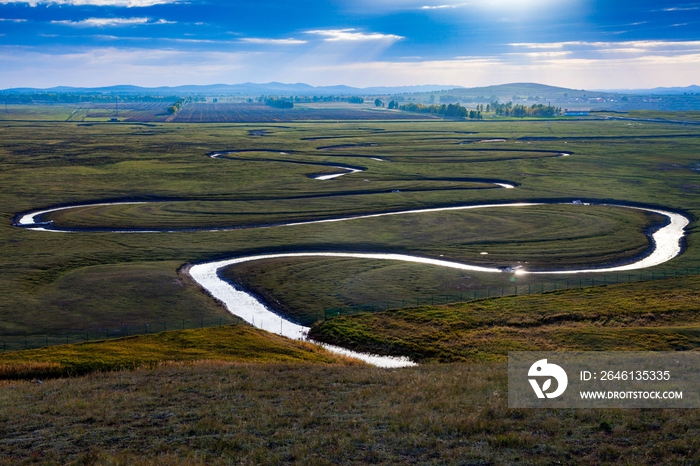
591	44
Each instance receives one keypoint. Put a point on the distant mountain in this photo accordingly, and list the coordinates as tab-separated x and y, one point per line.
504	92
526	91
662	91
238	89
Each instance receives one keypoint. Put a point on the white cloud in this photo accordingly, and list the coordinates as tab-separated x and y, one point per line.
632	46
196	41
35	67
543	45
351	35
12	20
565	71
255	40
111	22
116	3
442	7
560	53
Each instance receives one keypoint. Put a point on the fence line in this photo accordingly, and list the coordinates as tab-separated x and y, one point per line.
515	290
19	342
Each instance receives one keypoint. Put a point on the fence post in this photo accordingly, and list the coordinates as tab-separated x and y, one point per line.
47	340
221	319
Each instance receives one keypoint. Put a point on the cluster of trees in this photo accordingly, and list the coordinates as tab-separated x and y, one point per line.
446	99
310	99
537	110
322	98
451	110
176	106
279	103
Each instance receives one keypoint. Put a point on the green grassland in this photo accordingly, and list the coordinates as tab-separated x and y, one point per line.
205	397
231	343
653	316
682	116
50	282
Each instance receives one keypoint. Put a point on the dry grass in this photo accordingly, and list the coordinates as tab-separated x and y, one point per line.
656	316
218	345
220	414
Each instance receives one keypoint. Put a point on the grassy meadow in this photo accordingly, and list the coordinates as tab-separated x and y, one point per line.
231	343
58	282
657	315
233	394
216	413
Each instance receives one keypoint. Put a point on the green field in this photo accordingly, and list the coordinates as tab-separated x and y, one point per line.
45	275
245	410
644	316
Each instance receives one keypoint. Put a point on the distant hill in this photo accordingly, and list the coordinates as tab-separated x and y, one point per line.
663	90
502	92
526	91
658	99
238	89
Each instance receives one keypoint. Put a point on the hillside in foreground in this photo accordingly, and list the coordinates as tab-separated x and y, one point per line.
235	395
652	315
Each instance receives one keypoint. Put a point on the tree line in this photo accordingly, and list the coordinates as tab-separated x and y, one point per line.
450	110
279	103
176	106
520	111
